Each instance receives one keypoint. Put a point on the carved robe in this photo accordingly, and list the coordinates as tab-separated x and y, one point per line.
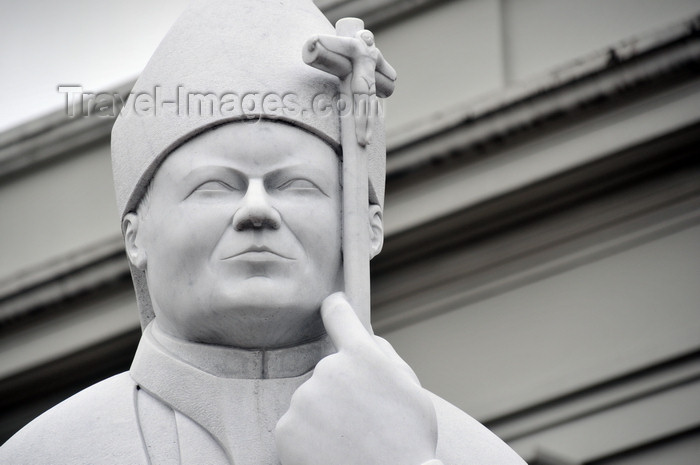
169	411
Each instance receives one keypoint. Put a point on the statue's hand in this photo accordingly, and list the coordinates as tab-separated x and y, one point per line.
362	406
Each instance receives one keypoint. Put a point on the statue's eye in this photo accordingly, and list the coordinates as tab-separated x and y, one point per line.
213	187
298	184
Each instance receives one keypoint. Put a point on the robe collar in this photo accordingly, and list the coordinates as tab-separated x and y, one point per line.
179	373
231	362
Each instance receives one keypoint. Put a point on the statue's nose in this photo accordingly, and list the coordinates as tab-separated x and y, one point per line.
255	210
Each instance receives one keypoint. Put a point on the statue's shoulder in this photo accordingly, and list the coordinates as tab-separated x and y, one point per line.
464	441
95	426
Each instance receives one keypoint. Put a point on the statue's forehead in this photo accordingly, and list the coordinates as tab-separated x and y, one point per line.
253	148
255	135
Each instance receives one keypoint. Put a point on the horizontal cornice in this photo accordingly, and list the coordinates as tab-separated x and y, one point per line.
92	268
544	433
655	60
53	136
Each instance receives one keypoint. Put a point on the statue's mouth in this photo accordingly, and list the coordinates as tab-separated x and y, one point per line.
258	253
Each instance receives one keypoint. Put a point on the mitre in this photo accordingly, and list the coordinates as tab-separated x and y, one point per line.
225	61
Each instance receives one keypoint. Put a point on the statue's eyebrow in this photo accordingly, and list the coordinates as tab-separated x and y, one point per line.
300	168
211	170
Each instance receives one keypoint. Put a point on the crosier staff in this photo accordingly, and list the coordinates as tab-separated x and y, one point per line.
364	74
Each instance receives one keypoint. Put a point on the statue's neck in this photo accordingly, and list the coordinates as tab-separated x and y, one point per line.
232	362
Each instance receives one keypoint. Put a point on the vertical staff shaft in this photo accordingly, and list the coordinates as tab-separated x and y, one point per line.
355	198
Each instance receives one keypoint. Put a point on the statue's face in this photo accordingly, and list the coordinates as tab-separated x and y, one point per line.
241	236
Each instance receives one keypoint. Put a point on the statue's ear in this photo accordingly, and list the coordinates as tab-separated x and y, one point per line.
134	249
376	230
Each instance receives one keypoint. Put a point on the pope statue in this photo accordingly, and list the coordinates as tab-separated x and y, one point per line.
249	172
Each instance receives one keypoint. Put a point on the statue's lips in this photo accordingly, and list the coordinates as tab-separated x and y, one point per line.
258	254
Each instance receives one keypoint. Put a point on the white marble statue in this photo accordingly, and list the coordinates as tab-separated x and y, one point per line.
244	210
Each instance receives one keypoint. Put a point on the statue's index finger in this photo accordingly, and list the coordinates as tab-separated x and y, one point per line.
342	324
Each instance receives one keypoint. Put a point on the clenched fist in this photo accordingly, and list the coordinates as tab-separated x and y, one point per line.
362	406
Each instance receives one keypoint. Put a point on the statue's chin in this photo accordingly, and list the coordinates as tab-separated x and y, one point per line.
247	328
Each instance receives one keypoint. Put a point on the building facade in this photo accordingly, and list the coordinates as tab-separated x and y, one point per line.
542	254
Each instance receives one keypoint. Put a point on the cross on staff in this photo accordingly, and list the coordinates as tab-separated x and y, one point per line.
364	74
